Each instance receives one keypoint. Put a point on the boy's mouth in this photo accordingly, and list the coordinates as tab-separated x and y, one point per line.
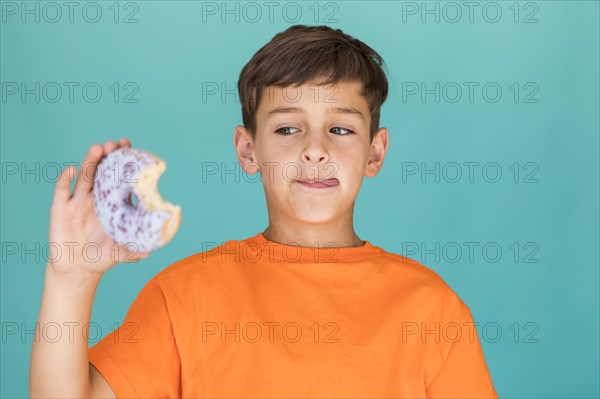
316	183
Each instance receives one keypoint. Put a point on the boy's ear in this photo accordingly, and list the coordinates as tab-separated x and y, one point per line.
379	147
242	141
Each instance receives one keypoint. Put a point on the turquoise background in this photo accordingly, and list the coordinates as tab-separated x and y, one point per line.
170	52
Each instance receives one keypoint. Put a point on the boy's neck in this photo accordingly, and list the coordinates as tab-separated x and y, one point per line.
311	236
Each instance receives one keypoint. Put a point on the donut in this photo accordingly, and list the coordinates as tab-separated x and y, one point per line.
127	201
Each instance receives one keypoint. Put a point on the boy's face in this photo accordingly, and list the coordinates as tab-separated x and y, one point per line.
312	133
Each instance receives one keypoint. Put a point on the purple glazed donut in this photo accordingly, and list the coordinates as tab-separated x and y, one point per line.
128	203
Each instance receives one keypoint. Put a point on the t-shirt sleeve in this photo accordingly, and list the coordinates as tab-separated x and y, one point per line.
463	372
139	359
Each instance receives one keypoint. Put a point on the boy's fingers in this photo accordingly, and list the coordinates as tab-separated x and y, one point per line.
124	142
87	172
63	186
109	146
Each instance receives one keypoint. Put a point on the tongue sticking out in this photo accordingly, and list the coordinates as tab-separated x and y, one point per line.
331	182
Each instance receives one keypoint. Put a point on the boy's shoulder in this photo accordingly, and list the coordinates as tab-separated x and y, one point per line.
428	282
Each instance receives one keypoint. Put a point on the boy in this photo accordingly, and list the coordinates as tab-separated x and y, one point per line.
304	309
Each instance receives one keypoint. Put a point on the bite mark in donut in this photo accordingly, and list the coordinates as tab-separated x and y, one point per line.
148	222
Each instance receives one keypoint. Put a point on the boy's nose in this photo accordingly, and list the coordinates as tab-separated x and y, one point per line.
315	149
314	158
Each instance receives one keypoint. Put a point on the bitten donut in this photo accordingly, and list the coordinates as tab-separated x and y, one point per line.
128	203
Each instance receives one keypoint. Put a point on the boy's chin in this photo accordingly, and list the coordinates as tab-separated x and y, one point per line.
310	216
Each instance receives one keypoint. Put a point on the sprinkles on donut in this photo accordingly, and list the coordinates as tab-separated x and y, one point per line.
128	203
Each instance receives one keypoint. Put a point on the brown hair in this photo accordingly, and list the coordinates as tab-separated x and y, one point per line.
302	53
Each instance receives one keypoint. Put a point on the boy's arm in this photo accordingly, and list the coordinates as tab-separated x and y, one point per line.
100	387
463	372
140	358
60	367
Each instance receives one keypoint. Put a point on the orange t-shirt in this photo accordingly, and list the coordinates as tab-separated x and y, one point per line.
258	319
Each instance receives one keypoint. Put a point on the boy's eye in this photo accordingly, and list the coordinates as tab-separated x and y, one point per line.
343	128
279	131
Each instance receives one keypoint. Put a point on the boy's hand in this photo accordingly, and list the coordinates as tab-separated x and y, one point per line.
79	246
